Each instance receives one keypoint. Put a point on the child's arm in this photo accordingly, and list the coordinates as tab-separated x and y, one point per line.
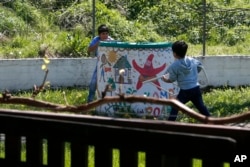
199	65
165	78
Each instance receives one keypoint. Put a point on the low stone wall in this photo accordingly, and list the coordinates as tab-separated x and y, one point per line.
22	74
227	70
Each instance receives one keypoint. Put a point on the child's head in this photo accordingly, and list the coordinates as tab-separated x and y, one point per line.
180	48
103	32
103	28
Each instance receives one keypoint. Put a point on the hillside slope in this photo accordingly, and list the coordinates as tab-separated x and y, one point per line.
31	28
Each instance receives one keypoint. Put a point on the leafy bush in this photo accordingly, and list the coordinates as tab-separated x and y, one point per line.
51	23
10	25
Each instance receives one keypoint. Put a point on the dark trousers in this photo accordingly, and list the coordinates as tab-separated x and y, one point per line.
92	86
193	95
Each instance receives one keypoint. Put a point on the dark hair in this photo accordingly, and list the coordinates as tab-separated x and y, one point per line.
103	28
180	48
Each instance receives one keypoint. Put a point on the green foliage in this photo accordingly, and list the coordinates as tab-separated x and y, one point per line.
66	26
19	47
56	4
24	11
75	15
10	25
135	7
177	19
225	101
73	44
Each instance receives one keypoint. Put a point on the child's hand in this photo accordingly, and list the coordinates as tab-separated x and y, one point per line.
165	78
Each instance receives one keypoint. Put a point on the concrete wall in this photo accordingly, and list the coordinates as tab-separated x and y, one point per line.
227	70
22	74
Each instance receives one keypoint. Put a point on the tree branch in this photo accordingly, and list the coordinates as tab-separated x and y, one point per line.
85	108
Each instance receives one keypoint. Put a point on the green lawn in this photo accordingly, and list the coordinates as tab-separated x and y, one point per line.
223	101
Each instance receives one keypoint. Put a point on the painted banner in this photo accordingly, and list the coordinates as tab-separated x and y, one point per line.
137	63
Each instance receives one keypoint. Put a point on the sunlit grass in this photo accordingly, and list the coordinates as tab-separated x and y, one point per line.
67	155
220	50
220	101
2	149
63	96
223	101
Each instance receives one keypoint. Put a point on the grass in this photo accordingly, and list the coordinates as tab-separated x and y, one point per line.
219	50
63	96
223	101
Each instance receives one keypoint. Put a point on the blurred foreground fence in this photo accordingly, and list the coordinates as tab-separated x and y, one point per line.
36	139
